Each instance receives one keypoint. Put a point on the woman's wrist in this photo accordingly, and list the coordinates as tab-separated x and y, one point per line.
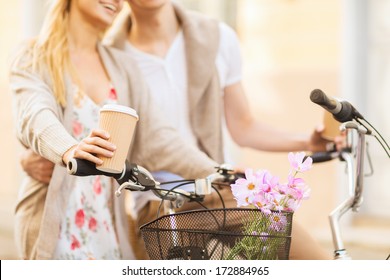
68	155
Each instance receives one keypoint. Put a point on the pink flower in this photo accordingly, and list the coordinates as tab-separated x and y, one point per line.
97	186
106	226
297	188
79	218
269	182
92	224
262	190
112	95
245	188
299	193
77	128
243	200
262	203
292	205
263	235
75	243
294	182
278	222
298	163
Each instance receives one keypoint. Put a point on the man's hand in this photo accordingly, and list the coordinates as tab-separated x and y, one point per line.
320	144
36	166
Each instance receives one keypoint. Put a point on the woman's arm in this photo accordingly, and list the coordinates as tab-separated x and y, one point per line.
37	114
39	120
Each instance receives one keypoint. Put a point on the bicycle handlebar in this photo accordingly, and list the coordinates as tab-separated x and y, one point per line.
136	178
324	156
133	172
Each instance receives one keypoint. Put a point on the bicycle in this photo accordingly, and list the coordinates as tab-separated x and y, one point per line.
354	157
170	227
195	234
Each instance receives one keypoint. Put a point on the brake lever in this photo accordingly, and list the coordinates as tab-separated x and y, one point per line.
228	174
136	178
142	177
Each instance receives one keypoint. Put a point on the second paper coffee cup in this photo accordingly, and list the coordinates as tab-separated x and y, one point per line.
331	127
120	122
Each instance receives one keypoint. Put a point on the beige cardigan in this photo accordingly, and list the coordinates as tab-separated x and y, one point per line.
201	35
44	126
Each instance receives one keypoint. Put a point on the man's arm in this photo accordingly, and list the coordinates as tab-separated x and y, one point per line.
246	131
36	166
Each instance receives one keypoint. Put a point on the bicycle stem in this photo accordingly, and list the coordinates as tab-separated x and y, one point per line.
361	150
336	214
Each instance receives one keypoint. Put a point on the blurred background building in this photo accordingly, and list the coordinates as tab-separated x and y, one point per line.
289	48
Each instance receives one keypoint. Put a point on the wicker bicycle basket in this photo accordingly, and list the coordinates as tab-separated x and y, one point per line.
219	234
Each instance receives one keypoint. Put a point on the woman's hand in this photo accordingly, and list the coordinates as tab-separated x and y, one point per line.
91	147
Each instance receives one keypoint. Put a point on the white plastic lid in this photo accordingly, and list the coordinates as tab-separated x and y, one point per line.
119	108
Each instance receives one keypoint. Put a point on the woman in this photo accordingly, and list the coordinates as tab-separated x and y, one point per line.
197	60
59	82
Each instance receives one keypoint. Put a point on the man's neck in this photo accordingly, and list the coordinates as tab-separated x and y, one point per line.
153	31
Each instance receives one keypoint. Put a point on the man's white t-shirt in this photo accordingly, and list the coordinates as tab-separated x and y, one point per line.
167	81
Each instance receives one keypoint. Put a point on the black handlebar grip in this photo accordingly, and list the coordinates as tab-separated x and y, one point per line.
83	167
239	175
323	156
319	97
131	172
342	111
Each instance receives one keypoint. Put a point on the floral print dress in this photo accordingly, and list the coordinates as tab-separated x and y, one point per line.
87	230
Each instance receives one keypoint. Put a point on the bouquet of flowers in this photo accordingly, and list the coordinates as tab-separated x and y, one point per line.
261	190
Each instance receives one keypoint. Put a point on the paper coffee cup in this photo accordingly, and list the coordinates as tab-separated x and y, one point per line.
120	122
331	127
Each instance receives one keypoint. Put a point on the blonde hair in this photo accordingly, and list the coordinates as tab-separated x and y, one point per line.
51	48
